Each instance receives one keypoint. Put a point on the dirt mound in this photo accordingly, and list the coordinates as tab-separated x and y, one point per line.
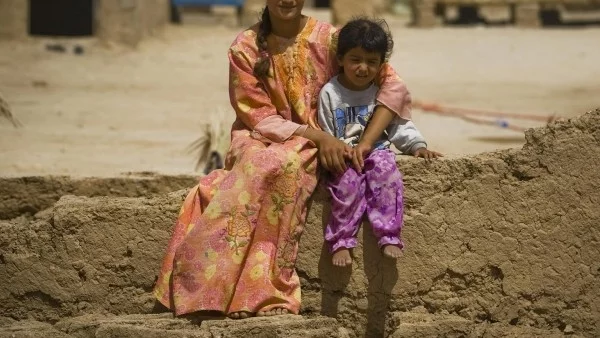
503	242
29	195
158	326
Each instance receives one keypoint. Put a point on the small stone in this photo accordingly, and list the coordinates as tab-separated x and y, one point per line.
569	329
343	333
419	309
78	50
362	305
77	265
56	48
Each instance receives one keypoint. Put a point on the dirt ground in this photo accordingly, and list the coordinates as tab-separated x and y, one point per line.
114	109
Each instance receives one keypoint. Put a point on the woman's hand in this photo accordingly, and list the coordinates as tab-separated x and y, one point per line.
333	153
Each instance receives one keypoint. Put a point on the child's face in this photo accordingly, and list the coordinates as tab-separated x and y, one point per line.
285	9
360	67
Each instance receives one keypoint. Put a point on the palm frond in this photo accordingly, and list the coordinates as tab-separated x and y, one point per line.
201	147
6	113
210	147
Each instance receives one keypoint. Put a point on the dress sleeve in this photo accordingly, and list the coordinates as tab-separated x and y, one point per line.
325	113
251	102
393	92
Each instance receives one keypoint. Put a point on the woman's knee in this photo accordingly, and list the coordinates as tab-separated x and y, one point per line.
266	159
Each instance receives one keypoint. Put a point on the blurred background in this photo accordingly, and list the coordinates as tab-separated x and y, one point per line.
103	87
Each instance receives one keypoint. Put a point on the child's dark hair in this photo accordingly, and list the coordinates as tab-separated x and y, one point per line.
371	35
261	68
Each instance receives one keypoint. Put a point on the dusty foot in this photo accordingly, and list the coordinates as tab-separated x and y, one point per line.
274	312
240	315
342	258
392	251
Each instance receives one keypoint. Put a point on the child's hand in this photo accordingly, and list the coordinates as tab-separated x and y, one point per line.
359	153
428	155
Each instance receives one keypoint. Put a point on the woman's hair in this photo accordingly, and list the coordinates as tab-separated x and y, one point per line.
371	35
261	68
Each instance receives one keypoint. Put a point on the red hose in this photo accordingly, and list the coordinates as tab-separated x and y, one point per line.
466	115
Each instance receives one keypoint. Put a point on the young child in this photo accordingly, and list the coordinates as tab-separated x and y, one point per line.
349	111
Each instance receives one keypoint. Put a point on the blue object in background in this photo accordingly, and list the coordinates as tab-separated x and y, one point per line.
237	3
502	123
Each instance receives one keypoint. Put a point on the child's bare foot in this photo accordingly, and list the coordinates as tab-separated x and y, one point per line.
342	258
392	251
274	312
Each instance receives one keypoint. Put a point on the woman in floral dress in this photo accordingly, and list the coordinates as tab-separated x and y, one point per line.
235	242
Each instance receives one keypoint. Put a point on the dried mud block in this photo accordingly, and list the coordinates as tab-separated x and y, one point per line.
343	11
285	326
423	13
131	326
86	255
424	325
32	194
31	329
527	15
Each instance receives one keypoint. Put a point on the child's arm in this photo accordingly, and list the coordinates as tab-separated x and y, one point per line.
408	139
251	101
382	116
405	136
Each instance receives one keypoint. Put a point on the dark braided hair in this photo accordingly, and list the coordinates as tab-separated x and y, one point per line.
261	68
371	35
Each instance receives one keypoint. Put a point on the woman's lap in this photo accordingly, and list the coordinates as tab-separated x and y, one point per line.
235	242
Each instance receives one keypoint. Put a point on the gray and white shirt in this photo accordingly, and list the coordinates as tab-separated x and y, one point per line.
344	113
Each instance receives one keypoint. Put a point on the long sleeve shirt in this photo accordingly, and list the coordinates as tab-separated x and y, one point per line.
345	113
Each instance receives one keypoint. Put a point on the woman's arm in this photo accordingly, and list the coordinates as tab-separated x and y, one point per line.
251	102
332	152
393	92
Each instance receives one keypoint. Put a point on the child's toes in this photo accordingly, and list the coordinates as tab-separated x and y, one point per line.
342	258
392	251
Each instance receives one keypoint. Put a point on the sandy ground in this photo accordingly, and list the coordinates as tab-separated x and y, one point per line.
114	109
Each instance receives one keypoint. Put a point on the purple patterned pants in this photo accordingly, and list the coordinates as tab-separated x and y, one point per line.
378	191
